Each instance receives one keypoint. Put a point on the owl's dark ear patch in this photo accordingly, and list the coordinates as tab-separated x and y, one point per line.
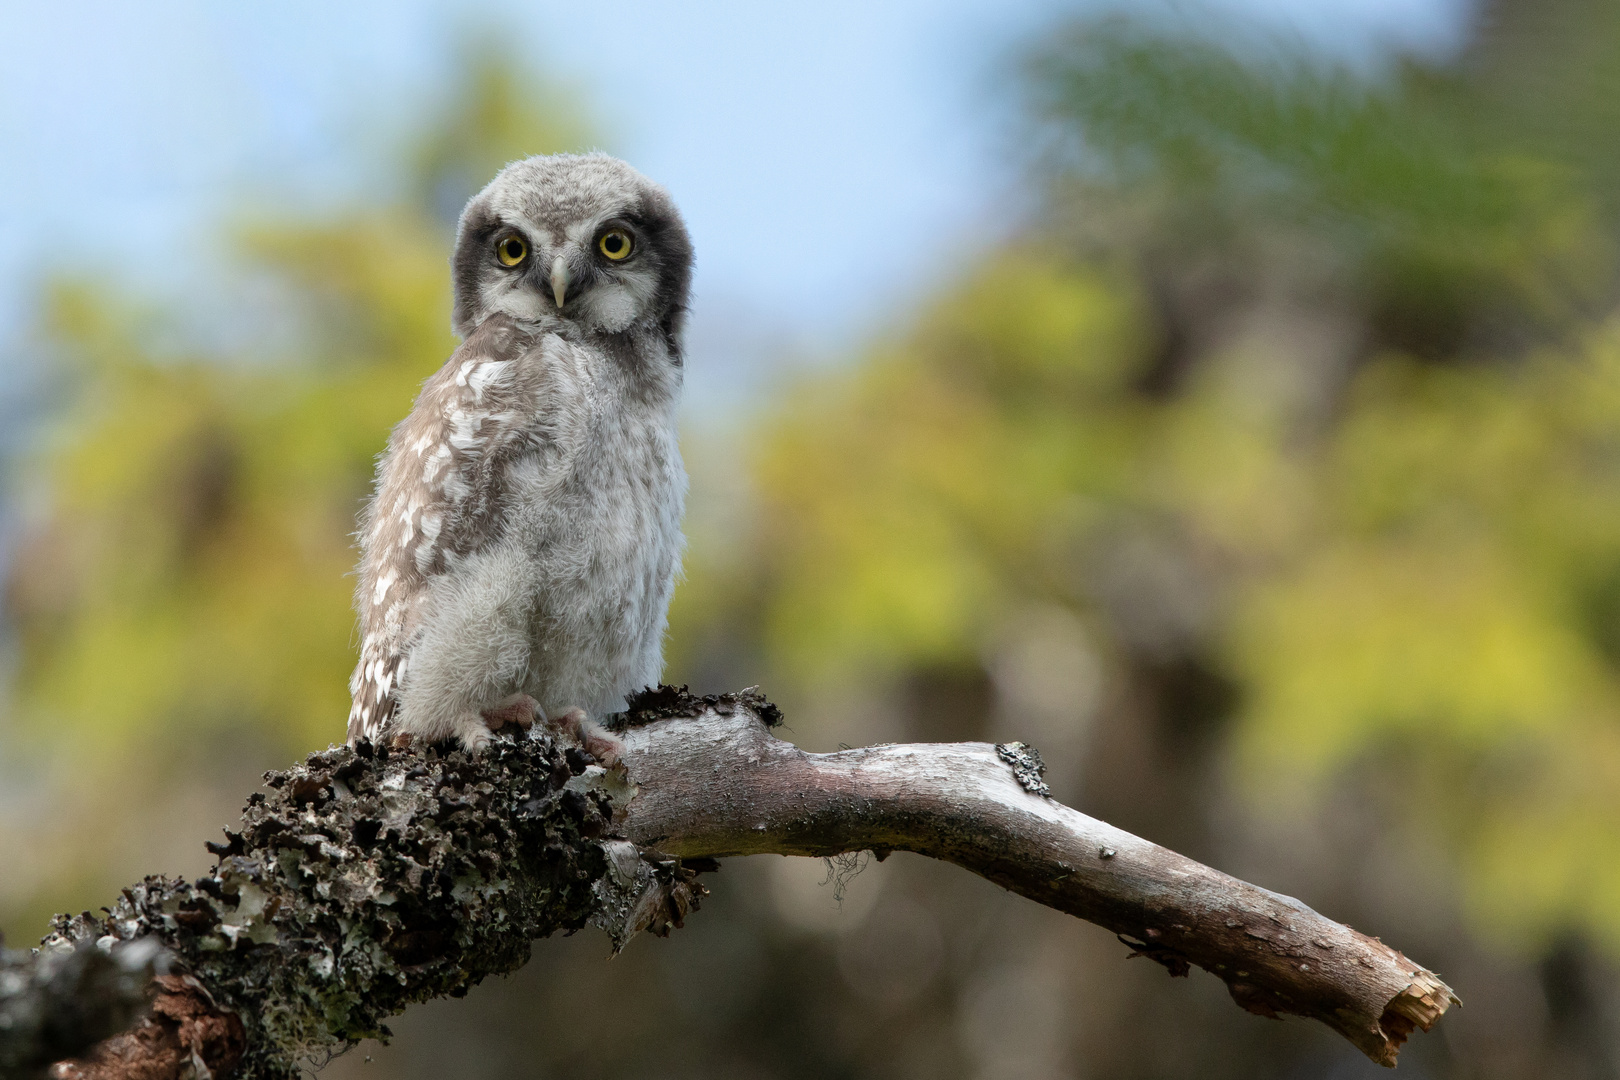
473	234
666	234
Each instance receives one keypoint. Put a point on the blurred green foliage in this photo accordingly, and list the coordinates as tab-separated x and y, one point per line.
1451	598
1431	582
907	504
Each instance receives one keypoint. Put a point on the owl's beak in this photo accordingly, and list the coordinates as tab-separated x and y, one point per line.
559	280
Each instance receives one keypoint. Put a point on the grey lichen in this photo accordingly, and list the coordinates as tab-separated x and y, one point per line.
367	880
1027	766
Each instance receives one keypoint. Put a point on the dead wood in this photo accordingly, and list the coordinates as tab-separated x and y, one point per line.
362	881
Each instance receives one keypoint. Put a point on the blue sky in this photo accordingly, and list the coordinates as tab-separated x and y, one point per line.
833	159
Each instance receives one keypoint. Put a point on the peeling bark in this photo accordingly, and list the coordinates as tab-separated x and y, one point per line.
364	881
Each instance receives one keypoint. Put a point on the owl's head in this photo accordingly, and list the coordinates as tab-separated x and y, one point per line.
582	237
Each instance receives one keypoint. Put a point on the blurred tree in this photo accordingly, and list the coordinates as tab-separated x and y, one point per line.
497	114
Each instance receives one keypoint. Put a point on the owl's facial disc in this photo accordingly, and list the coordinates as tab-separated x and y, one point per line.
585	239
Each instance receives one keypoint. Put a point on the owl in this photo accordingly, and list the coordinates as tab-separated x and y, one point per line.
523	538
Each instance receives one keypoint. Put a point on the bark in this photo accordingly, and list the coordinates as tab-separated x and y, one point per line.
364	881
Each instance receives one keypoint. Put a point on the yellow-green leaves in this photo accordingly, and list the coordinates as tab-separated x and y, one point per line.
906	503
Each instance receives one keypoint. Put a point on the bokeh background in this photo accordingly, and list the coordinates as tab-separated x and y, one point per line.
1224	399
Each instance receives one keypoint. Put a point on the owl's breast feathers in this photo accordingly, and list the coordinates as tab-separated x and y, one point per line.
438	490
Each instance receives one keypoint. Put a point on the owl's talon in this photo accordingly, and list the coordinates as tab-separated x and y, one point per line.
570	724
475	739
521	709
604	747
575	726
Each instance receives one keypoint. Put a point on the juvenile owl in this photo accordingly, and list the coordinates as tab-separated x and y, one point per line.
519	551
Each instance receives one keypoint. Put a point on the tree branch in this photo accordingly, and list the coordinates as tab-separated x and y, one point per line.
716	785
366	881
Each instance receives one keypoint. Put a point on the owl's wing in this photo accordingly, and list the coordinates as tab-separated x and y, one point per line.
438	494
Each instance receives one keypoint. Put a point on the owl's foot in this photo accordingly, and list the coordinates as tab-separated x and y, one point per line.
475	730
519	709
576	727
474	735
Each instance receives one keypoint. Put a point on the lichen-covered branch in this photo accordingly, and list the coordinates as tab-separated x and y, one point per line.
360	883
364	881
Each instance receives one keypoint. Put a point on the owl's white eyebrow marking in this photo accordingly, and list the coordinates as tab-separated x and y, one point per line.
580	232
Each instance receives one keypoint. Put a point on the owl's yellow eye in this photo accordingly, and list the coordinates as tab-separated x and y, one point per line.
511	250
615	244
